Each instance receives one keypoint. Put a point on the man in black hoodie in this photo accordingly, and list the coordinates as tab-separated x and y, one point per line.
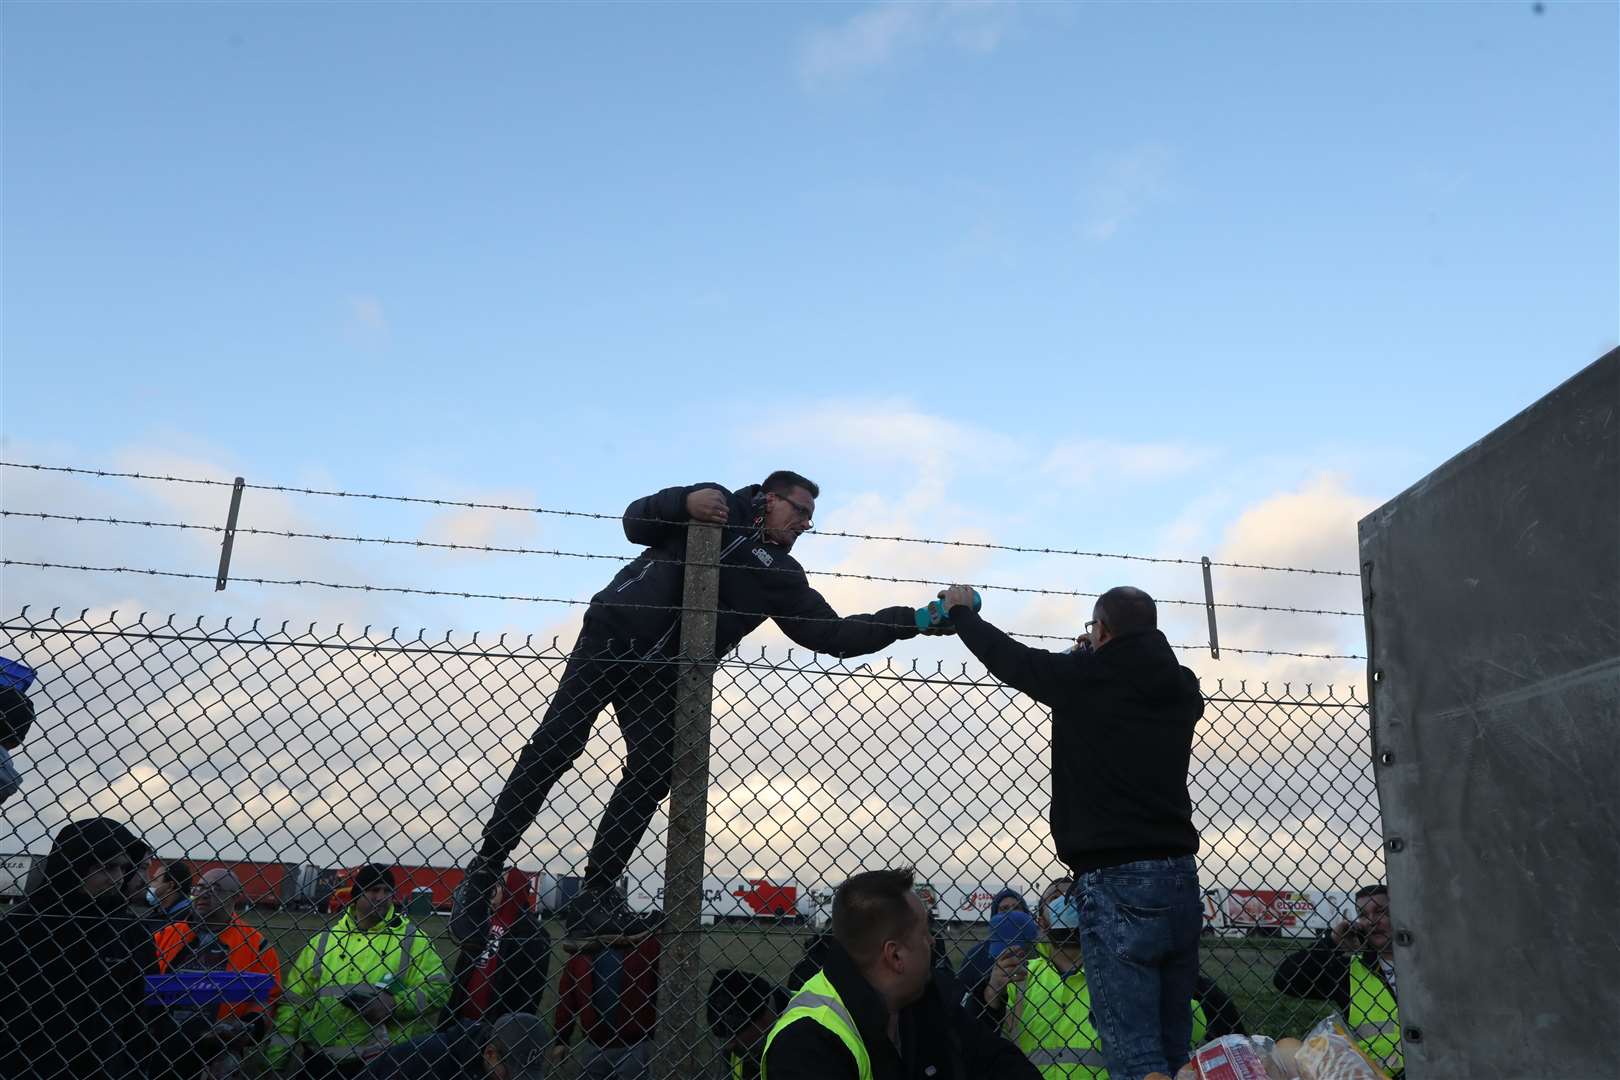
878	1007
1123	714
630	633
75	960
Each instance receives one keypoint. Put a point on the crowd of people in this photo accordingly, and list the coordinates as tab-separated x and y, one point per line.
1103	980
370	996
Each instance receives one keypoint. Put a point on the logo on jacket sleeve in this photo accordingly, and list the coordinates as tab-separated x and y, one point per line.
762	555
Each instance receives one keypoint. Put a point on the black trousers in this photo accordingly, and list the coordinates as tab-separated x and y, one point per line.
642	694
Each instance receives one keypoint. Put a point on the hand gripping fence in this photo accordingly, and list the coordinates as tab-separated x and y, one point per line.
292	757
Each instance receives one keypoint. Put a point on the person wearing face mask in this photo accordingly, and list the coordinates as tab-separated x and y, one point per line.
1044	1002
638	617
874	1010
75	960
168	894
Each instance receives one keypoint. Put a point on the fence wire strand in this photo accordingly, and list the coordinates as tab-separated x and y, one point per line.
507	507
494	549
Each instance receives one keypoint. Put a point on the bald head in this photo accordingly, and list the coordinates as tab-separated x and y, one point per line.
216	896
1123	610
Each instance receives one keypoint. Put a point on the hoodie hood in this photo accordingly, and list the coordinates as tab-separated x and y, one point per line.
1151	666
78	849
1008	892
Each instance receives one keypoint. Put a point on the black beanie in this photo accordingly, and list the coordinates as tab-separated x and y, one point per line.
374	873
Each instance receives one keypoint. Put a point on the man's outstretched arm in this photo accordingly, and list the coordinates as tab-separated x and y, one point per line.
1044	676
805	616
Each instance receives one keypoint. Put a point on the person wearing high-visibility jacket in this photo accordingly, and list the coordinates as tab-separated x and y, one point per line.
875	1010
1045	1006
215	938
1353	966
369	982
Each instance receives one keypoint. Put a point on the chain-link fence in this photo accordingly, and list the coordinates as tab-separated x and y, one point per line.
290	757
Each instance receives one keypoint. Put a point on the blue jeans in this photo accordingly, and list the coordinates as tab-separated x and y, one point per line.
1139	928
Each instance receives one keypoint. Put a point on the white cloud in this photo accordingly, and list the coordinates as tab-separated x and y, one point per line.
367	322
478	527
876	35
1125	185
1079	462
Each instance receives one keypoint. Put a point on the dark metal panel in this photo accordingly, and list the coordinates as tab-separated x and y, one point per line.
1493	620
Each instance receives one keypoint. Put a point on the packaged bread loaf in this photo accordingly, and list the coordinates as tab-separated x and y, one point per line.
1328	1053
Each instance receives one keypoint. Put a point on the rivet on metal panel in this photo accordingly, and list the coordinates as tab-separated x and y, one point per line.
1396	844
1403	938
1414	1034
1386	758
1378	676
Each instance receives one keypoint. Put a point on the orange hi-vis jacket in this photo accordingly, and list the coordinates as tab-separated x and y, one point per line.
245	951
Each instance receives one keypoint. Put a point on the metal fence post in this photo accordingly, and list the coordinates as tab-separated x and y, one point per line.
224	574
1209	609
678	1055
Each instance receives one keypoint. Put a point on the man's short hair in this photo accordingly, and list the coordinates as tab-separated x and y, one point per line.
1371	890
1128	610
783	481
871	908
178	873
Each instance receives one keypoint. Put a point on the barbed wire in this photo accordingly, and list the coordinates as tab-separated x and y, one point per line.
507	507
467	595
502	550
888	669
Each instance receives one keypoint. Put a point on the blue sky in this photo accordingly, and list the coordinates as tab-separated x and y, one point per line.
1157	278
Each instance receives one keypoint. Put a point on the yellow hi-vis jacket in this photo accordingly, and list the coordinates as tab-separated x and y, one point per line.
344	959
1049	1016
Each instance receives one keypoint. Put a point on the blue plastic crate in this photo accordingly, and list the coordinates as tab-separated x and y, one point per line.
16	674
200	988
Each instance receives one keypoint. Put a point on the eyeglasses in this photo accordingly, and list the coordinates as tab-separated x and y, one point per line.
1091	624
802	510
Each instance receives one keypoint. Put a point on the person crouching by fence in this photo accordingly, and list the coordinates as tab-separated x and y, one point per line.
875	1010
369	982
509	971
742	1008
1353	966
609	988
216	939
74	961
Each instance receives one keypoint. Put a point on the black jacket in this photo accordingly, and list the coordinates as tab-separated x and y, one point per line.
71	997
1321	971
1122	732
759	580
938	1038
521	975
